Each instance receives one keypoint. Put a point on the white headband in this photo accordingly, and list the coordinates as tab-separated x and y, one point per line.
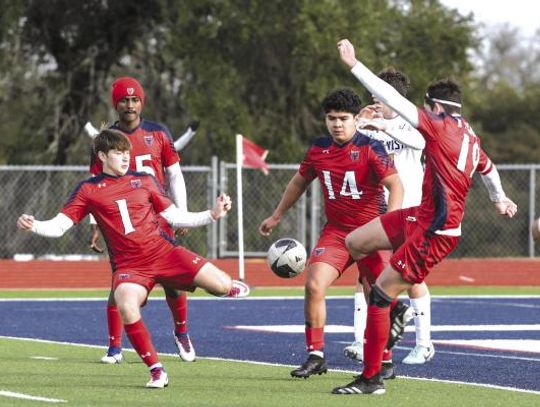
444	102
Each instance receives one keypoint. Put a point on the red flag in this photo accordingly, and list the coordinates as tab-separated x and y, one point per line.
253	156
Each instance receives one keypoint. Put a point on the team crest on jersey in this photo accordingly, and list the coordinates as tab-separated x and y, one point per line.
123	276
136	183
355	155
318	251
148	139
130	91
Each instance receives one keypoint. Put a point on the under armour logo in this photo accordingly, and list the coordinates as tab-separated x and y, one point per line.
326	151
147	354
101	185
401	264
196	260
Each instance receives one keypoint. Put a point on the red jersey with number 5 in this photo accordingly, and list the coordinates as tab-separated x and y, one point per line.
452	155
152	150
126	210
350	176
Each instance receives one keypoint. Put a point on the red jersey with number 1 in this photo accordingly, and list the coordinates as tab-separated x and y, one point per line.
452	155
350	176
126	210
152	150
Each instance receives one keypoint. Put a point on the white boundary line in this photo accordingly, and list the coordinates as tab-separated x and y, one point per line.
329	297
254	362
7	393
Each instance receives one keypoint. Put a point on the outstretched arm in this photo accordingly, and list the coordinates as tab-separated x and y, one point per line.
185	138
503	205
54	227
179	219
294	190
382	90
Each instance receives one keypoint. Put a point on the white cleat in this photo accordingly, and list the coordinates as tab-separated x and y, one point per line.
420	355
239	290
158	379
112	359
355	351
184	347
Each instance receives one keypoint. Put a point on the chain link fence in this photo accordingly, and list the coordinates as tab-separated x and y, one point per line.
41	191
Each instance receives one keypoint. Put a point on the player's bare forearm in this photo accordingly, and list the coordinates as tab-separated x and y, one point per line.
294	190
396	192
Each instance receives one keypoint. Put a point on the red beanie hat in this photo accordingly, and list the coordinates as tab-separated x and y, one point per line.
126	86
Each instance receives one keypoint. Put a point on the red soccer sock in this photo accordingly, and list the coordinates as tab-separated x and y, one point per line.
141	341
377	331
387	355
114	325
314	339
178	307
371	266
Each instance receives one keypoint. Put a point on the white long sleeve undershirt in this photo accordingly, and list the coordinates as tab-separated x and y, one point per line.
386	93
54	227
182	219
184	139
177	186
60	224
492	181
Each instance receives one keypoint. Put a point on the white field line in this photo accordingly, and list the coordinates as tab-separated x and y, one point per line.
7	393
329	297
253	362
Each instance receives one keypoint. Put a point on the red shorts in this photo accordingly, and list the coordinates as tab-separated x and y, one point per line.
177	269
331	249
416	250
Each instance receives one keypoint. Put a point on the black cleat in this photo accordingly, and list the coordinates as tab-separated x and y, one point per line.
388	370
399	318
313	365
361	385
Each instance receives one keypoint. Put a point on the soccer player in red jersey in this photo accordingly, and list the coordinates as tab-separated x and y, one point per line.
152	152
352	170
424	235
126	206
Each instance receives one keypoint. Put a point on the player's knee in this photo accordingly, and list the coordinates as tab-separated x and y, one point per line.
315	289
379	298
355	246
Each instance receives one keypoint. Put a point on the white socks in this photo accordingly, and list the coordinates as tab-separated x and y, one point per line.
422	319
360	316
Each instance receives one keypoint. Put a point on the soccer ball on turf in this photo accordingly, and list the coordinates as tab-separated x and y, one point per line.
287	258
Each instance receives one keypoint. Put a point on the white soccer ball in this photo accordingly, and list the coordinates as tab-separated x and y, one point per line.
287	257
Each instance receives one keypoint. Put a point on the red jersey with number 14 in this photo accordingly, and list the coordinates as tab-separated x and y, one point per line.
152	150
453	154
350	176
126	210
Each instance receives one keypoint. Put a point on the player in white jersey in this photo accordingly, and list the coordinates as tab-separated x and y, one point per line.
405	145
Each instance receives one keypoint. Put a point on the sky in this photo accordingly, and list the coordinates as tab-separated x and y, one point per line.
518	13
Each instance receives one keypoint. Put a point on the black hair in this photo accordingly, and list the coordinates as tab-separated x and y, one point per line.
397	79
444	90
342	100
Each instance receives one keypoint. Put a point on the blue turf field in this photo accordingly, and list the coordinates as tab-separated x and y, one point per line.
211	325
